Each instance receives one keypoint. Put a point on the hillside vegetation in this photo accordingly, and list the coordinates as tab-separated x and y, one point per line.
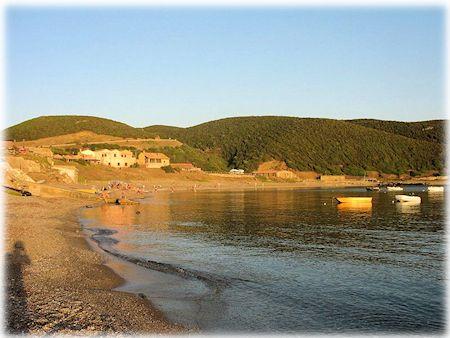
208	161
322	145
49	126
432	131
307	144
163	131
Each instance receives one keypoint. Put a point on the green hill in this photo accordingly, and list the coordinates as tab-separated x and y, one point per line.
323	145
163	131
48	126
432	131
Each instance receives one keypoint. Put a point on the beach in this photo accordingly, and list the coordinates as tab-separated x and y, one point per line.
58	284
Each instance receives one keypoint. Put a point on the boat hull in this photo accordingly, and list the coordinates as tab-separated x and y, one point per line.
354	200
407	199
436	189
394	188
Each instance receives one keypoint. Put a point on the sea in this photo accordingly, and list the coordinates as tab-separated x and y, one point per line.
281	261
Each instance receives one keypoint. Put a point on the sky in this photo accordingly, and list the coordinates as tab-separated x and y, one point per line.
188	65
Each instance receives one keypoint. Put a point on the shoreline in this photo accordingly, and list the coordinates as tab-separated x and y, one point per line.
47	234
134	282
78	297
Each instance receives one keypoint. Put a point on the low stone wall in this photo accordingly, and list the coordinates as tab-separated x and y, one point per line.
332	178
51	191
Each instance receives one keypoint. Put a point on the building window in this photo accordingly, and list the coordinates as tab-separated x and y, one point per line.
109	163
126	164
158	160
115	155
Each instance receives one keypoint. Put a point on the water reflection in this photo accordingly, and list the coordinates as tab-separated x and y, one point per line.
358	207
408	207
303	262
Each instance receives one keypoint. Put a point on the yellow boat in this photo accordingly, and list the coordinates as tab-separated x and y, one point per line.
354	200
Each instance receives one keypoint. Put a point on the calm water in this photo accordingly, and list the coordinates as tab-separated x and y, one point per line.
288	261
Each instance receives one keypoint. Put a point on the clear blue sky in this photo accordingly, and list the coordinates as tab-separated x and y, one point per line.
184	66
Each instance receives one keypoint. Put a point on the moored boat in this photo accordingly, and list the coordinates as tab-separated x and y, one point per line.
373	188
394	188
407	199
354	200
435	188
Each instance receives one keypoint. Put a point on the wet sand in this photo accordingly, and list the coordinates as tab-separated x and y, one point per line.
57	284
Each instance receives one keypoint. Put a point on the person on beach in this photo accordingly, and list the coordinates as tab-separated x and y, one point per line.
104	195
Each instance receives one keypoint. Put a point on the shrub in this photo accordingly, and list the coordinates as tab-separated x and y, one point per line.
168	169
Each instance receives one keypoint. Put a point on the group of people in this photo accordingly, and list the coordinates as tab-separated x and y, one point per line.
123	187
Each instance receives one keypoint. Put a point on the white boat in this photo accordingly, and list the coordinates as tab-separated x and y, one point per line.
435	188
394	188
407	199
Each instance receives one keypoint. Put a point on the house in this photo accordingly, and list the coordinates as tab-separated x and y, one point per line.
114	157
87	153
153	160
185	166
67	157
89	156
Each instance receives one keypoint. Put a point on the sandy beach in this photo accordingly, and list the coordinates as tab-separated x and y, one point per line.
57	284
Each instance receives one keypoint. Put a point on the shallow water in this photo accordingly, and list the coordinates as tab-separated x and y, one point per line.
284	260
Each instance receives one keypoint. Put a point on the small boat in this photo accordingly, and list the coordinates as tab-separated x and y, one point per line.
394	188
354	200
435	188
407	199
372	188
